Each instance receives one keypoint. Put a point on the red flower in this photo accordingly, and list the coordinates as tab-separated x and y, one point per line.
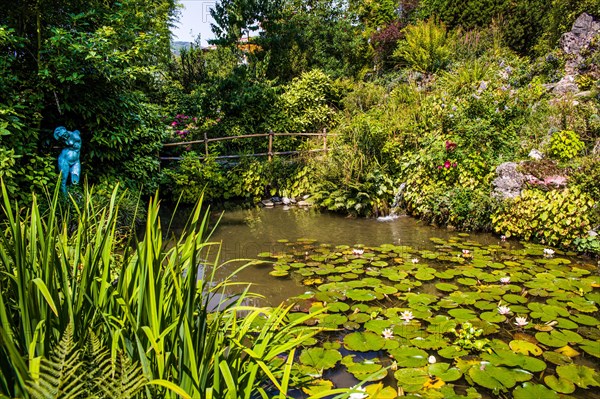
454	165
450	146
447	164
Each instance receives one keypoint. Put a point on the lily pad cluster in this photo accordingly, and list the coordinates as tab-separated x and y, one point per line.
508	319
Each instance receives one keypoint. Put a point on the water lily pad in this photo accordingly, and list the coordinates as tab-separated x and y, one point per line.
320	358
367	371
559	384
333	320
444	372
508	358
585	320
452	352
492	317
467	281
279	273
492	377
582	376
512	298
411	379
379	391
363	341
524	347
556	358
446	287
432	341
462	314
361	295
407	356
317	386
533	391
591	349
548	339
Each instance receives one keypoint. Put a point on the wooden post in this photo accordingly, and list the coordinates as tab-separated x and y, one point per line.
325	140
270	151
206	144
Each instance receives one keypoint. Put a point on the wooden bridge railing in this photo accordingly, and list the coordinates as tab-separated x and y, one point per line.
269	152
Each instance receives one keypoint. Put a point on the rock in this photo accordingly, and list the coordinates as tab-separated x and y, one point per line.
508	182
267	203
575	42
304	203
286	201
596	149
535	154
556	180
566	85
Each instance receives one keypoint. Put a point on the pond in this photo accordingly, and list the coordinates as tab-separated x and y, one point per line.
425	312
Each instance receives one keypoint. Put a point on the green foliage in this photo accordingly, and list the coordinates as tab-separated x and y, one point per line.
565	144
470	338
553	217
373	195
310	102
427	47
70	372
165	310
520	21
194	176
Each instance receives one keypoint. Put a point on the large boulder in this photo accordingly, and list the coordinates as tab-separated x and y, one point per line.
574	44
509	181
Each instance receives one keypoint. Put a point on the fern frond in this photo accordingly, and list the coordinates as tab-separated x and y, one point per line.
111	378
60	376
125	380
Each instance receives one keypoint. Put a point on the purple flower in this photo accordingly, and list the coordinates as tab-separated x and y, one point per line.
440	166
174	123
454	165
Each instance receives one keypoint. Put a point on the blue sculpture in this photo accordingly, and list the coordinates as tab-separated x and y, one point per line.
68	160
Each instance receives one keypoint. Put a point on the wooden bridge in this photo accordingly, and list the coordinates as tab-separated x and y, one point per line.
270	153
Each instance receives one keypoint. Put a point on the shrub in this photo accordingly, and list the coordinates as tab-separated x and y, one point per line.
554	217
565	144
310	102
427	46
193	177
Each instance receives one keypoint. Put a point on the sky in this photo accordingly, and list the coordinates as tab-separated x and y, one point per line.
194	20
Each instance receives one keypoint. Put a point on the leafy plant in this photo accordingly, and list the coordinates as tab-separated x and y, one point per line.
427	46
70	372
565	144
160	310
554	217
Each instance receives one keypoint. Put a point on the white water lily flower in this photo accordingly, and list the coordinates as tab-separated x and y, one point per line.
415	260
505	280
548	252
387	333
503	309
431	359
407	315
358	251
521	321
359	393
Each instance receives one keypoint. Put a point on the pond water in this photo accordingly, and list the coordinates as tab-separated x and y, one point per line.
438	313
247	233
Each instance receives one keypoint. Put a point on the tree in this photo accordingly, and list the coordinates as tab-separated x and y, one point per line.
90	66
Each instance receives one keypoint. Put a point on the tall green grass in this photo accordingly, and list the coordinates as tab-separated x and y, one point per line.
57	272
